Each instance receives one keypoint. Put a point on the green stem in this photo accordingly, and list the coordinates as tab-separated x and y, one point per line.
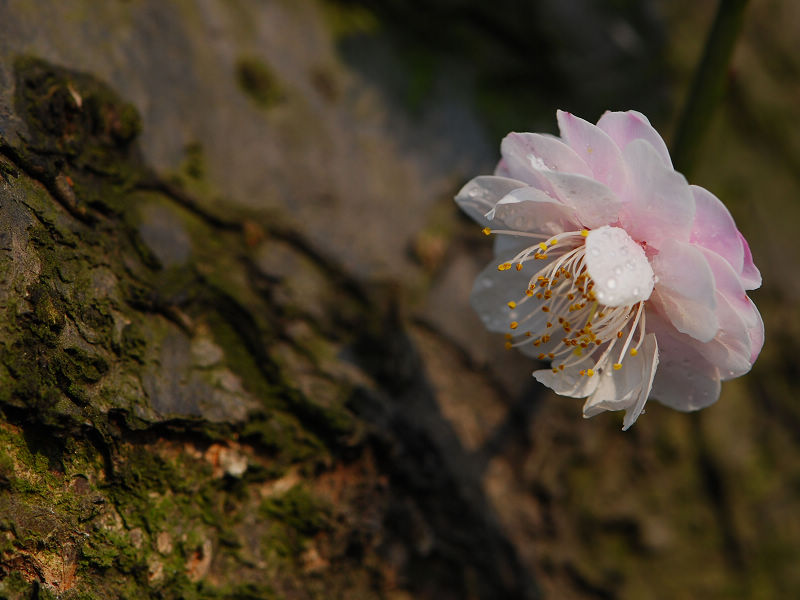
708	84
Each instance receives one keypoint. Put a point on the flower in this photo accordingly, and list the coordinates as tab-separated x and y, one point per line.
628	280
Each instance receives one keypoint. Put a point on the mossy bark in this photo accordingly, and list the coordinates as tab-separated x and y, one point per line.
181	416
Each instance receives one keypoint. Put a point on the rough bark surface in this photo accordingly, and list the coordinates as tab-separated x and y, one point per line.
237	358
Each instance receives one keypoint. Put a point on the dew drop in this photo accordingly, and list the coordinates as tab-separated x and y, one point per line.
630	266
636	291
618	270
611	283
595	252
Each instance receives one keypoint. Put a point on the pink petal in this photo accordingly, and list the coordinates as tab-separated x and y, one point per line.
751	277
658	204
685	292
526	154
715	229
730	286
685	380
530	210
595	147
480	195
624	127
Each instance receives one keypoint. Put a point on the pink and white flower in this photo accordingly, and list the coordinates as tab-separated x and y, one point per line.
628	280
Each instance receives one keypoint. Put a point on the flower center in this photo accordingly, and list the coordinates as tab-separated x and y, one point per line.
584	306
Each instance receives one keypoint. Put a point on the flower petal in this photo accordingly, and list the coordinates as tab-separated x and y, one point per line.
530	210
685	291
480	195
730	286
714	228
657	204
649	351
570	382
685	380
628	388
751	277
525	155
594	203
493	290
624	127
594	146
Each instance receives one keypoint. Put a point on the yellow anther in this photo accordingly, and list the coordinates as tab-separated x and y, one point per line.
584	232
634	352
560	367
555	370
582	372
509	336
504	267
512	304
617	366
529	293
545	338
519	266
528	334
514	325
590	372
553	242
543	246
545	309
550	355
537	343
509	345
549	324
619	334
486	231
540	357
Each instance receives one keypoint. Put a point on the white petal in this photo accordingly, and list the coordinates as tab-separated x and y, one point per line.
480	195
526	154
530	210
618	266
493	290
617	389
569	382
594	203
649	351
628	388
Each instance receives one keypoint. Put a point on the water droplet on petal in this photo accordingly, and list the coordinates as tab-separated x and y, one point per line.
595	252
611	283
630	266
618	270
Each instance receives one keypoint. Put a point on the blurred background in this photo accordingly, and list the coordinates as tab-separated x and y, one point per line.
354	122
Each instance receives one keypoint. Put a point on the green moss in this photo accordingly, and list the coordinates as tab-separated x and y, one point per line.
258	82
294	517
78	128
